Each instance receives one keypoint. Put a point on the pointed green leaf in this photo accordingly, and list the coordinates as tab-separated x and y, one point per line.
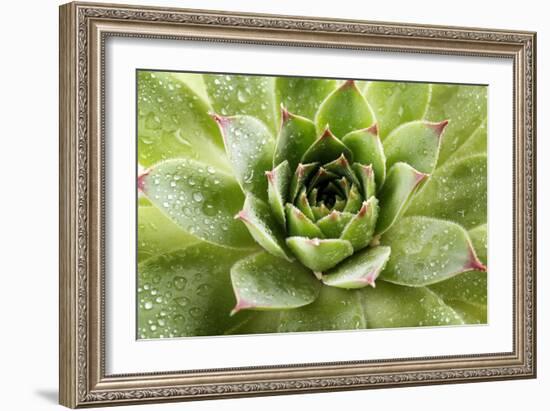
319	255
355	199
457	191
301	95
333	224
297	134
312	196
157	234
300	225
360	270
390	305
341	167
198	198
334	309
467	293
321	176
173	121
344	185
278	181
249	146
426	251
254	96
367	149
320	211
303	204
264	282
187	292
263	227
395	103
367	180
464	106
401	182
415	143
302	173
344	110
360	230
326	148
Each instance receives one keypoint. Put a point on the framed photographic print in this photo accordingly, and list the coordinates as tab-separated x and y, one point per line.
259	204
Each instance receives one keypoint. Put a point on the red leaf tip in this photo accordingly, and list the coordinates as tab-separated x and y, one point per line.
141	180
474	263
314	241
322	172
299	214
479	266
241	215
221	120
419	177
371	278
241	305
368	170
342	160
373	129
364	209
439	128
327	133
334	214
300	170
348	84
285	115
270	176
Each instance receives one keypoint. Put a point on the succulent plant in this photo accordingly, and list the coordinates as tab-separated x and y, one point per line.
277	204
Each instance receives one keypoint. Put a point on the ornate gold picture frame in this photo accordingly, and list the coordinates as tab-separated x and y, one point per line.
84	31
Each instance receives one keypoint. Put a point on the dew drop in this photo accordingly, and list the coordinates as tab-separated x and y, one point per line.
203	290
197	196
182	301
179	283
242	96
195	312
208	209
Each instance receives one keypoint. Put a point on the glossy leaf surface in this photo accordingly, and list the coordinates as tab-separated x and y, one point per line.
344	110
187	292
426	251
264	282
198	198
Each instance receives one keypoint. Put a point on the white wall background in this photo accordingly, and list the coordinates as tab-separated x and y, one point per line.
28	205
